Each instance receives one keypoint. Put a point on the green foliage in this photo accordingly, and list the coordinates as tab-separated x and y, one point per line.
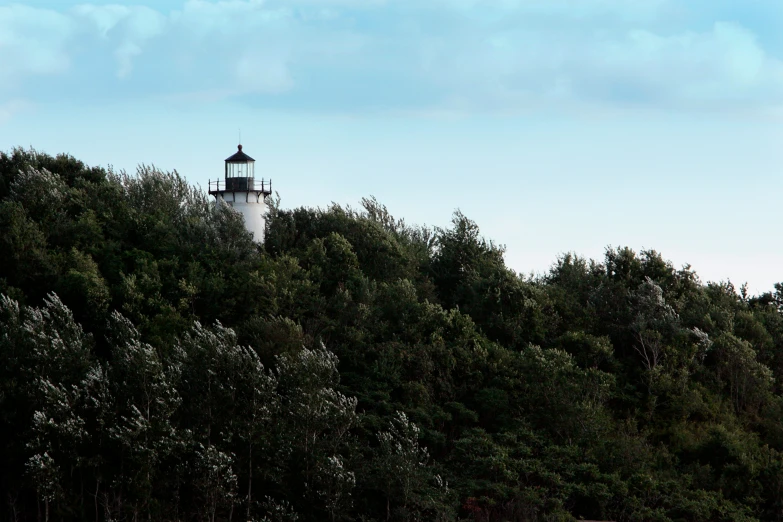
156	363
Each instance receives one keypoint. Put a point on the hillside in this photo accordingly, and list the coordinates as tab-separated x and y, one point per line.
157	364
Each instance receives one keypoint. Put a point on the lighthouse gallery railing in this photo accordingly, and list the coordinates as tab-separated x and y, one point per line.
240	185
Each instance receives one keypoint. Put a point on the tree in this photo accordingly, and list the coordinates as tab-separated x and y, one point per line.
142	434
313	429
413	491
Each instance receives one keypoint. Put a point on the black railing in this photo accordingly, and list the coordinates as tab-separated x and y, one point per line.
240	185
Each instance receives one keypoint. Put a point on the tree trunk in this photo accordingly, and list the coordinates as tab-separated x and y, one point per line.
12	505
249	479
97	487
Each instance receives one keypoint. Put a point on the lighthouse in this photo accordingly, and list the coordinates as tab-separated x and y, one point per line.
240	190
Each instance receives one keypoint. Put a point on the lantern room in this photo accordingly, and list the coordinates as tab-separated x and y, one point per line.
240	170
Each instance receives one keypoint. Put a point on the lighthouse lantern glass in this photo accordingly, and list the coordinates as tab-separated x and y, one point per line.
240	169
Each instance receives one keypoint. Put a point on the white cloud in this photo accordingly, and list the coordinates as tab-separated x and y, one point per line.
472	54
32	43
524	66
227	18
128	28
125	54
725	63
105	17
260	72
625	9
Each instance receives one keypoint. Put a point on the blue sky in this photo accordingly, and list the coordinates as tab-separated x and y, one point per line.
558	125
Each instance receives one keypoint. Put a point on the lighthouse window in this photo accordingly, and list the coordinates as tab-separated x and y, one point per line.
239	170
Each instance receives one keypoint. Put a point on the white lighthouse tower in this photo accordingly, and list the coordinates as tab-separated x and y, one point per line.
241	191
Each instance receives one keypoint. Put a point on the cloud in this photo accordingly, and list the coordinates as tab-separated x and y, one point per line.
262	73
32	43
348	55
726	63
723	64
104	17
127	28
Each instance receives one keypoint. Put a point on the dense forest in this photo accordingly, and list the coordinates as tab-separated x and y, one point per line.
157	364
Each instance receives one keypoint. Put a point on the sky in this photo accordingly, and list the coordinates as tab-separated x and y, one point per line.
557	125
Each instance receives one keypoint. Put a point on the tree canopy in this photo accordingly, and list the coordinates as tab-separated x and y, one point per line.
157	364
